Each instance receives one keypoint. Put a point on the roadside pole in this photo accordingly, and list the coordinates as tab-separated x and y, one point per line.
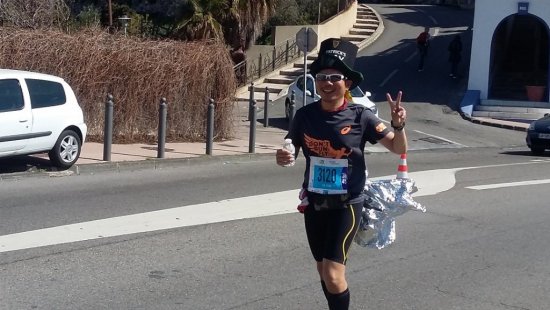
306	40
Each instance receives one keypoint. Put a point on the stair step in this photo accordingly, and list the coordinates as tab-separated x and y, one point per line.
301	65
506	115
365	26
353	38
361	32
367	21
272	90
508	109
366	15
293	73
279	80
515	103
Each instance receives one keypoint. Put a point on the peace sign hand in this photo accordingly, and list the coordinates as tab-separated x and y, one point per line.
398	113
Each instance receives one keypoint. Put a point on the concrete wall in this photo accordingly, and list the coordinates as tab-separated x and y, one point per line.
487	16
335	27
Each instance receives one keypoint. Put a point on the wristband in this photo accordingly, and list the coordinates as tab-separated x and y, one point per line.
400	128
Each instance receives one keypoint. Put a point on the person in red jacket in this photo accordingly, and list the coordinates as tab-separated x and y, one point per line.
422	44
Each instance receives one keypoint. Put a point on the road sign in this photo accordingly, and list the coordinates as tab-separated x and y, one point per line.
306	39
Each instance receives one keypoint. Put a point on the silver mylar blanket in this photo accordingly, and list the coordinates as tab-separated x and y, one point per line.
385	200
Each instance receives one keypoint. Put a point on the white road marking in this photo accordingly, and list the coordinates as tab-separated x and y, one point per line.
511	184
430	182
411	56
388	78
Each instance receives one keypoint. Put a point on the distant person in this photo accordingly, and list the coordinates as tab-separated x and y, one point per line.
455	51
422	43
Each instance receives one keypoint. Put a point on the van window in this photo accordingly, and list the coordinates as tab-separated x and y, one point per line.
11	96
45	93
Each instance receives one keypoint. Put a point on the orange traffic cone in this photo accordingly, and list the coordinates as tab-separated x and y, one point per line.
402	169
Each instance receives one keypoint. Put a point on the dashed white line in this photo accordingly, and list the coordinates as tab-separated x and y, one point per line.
388	78
411	57
511	184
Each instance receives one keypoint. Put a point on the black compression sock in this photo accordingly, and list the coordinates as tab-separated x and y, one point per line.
338	301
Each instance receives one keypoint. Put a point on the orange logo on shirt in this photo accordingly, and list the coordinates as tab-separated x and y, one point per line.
345	130
380	127
324	149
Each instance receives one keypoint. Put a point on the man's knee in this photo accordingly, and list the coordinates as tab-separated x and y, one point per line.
334	277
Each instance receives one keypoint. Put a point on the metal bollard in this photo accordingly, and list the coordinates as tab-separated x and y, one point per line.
292	107
108	128
162	128
260	63
252	138
286	52
210	127
266	107
273	58
251	89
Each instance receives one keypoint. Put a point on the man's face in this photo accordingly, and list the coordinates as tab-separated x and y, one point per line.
332	90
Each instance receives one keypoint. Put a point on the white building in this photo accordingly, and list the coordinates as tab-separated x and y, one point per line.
510	51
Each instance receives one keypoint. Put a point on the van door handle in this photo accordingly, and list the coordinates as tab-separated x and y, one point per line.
23	120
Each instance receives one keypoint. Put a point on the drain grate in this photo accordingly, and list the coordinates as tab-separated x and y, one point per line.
434	140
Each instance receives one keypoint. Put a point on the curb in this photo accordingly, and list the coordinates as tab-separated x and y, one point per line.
500	124
124	166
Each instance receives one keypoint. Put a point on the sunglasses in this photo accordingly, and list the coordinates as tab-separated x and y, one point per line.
329	77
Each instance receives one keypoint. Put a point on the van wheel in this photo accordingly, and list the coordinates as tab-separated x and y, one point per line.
66	150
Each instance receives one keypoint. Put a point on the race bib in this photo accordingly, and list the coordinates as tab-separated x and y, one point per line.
328	176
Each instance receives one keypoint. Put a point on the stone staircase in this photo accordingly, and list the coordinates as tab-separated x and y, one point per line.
367	28
511	110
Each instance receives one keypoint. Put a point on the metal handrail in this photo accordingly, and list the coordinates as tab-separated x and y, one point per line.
250	69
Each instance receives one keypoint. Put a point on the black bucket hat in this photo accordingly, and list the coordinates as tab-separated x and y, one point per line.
340	55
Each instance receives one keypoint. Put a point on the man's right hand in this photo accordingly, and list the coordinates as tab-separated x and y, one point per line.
284	157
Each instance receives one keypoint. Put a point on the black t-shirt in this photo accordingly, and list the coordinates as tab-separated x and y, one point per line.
338	134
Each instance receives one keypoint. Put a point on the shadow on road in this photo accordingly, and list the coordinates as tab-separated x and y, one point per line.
25	163
276	122
396	68
526	153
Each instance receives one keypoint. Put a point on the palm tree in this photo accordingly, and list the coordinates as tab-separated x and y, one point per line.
203	23
247	18
242	20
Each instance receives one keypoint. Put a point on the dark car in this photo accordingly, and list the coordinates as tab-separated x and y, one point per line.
538	135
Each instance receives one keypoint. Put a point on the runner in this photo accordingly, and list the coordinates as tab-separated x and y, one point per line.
332	134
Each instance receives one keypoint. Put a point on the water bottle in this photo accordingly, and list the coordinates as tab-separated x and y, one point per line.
287	145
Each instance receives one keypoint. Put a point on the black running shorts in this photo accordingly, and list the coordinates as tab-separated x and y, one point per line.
330	232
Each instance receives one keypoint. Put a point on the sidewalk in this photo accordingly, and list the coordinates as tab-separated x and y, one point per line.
268	140
126	157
